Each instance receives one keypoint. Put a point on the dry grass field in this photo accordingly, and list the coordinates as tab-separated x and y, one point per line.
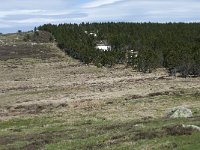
51	101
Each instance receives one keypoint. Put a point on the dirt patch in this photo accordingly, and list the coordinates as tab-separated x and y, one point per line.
148	135
35	108
170	145
117	126
178	130
21	51
24	88
8	139
37	140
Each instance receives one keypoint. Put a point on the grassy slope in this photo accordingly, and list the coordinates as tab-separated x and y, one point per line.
13	49
118	123
89	129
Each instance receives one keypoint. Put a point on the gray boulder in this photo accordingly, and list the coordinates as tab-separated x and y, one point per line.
180	112
194	127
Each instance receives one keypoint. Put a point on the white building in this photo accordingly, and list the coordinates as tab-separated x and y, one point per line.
93	34
102	45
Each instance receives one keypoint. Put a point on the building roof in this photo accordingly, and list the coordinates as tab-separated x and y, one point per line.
102	43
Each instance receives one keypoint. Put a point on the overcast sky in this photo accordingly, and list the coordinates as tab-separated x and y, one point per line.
25	14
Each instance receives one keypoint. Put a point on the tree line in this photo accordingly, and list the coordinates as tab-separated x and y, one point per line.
175	46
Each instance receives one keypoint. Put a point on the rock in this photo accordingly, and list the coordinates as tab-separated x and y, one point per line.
191	126
180	112
139	125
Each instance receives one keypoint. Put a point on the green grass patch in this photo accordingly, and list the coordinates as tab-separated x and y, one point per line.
81	129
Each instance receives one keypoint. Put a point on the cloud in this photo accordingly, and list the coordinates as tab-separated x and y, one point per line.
28	13
37	4
147	10
99	3
47	19
4	25
4	14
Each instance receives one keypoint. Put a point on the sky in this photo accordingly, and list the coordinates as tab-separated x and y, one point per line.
26	14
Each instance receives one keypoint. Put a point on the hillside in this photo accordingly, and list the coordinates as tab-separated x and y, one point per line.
167	45
14	47
49	100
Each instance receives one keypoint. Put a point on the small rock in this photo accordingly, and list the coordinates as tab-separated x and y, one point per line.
180	112
139	125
